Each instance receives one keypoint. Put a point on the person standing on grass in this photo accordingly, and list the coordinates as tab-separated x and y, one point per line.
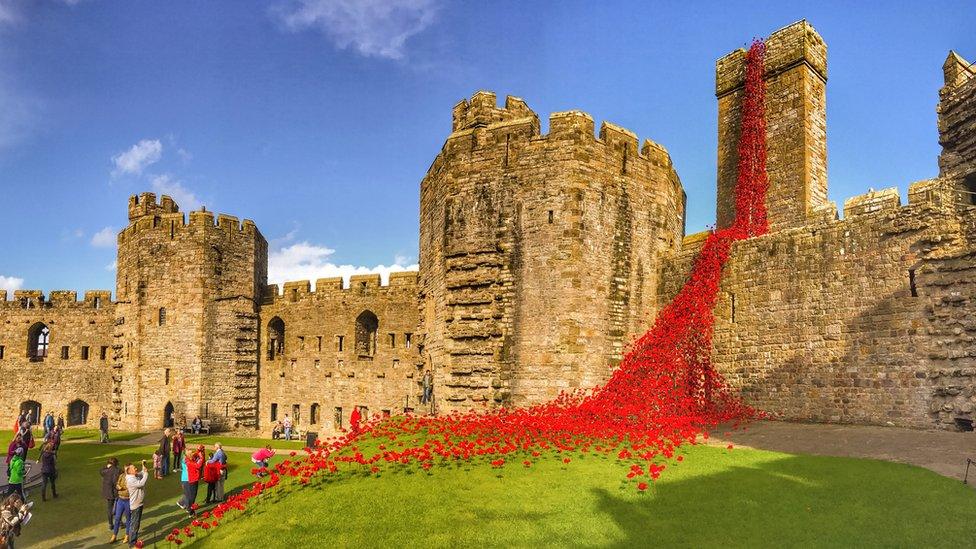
219	459
192	470
48	424
49	471
60	422
103	427
135	482
287	425
427	383
164	452
354	419
122	508
17	442
179	445
17	471
110	474
55	437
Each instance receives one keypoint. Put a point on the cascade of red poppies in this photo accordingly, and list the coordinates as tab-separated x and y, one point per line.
665	392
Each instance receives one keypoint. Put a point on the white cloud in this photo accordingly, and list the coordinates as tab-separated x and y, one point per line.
10	283
168	185
104	238
138	157
112	266
305	261
374	28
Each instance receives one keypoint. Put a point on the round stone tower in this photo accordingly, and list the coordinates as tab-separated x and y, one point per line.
538	253
186	330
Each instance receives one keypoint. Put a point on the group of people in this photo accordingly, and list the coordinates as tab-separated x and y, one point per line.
283	429
124	491
14	509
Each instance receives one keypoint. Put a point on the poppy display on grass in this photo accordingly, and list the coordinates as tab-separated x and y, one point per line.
664	393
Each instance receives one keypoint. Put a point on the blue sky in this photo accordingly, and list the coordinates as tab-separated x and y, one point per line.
317	119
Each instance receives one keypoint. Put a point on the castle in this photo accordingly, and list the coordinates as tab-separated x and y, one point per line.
541	255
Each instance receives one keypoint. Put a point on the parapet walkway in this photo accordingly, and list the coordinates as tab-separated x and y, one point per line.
944	452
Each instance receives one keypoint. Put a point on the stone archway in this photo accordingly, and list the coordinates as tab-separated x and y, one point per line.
168	413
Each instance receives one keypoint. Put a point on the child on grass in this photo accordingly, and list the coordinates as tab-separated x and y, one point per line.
158	463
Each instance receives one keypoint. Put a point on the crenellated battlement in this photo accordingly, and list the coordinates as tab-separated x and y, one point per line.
57	299
516	124
145	204
299	290
482	110
795	44
172	222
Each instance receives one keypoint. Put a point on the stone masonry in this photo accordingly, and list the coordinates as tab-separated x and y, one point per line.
541	256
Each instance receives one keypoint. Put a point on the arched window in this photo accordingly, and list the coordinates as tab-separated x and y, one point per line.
77	412
162	316
366	326
38	339
276	338
34	408
313	414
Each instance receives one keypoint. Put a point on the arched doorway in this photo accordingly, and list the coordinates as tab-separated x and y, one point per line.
168	415
77	413
34	408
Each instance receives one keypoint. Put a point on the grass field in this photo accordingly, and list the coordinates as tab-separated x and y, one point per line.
242	442
715	497
77	518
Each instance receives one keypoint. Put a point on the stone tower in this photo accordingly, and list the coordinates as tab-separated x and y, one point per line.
186	330
538	253
796	122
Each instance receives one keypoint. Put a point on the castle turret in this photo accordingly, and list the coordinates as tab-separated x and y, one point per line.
186	326
796	126
957	128
538	253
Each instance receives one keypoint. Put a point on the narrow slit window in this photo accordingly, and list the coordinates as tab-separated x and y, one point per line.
103	352
733	307
166	377
339	343
162	316
550	217
392	341
319	338
911	283
64	352
274	411
407	340
84	353
301	343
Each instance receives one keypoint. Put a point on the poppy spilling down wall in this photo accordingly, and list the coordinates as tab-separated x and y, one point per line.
665	392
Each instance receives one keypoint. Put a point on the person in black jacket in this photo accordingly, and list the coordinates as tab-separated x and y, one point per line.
49	471
164	449
103	427
110	475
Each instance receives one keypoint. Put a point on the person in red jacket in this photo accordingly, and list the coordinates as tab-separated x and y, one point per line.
192	471
354	419
211	474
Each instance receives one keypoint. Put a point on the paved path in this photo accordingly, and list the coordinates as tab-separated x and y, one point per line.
152	439
944	452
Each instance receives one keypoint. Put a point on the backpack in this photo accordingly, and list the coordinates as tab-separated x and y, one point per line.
121	487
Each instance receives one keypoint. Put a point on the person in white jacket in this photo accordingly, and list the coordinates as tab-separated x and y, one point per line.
136	483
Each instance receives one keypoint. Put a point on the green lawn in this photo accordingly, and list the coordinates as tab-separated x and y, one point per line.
713	498
77	517
242	442
744	498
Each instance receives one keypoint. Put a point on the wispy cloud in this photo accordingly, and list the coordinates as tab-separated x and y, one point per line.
104	238
373	28
140	156
10	283
114	265
306	261
167	184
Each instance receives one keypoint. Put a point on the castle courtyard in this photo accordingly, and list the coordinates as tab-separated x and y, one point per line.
349	295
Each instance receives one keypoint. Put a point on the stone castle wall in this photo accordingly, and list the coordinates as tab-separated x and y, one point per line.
311	370
538	253
81	330
860	320
540	256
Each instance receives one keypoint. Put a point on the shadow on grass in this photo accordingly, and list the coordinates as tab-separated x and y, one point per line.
797	501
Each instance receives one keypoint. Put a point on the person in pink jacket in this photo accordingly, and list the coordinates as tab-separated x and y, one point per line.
261	457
